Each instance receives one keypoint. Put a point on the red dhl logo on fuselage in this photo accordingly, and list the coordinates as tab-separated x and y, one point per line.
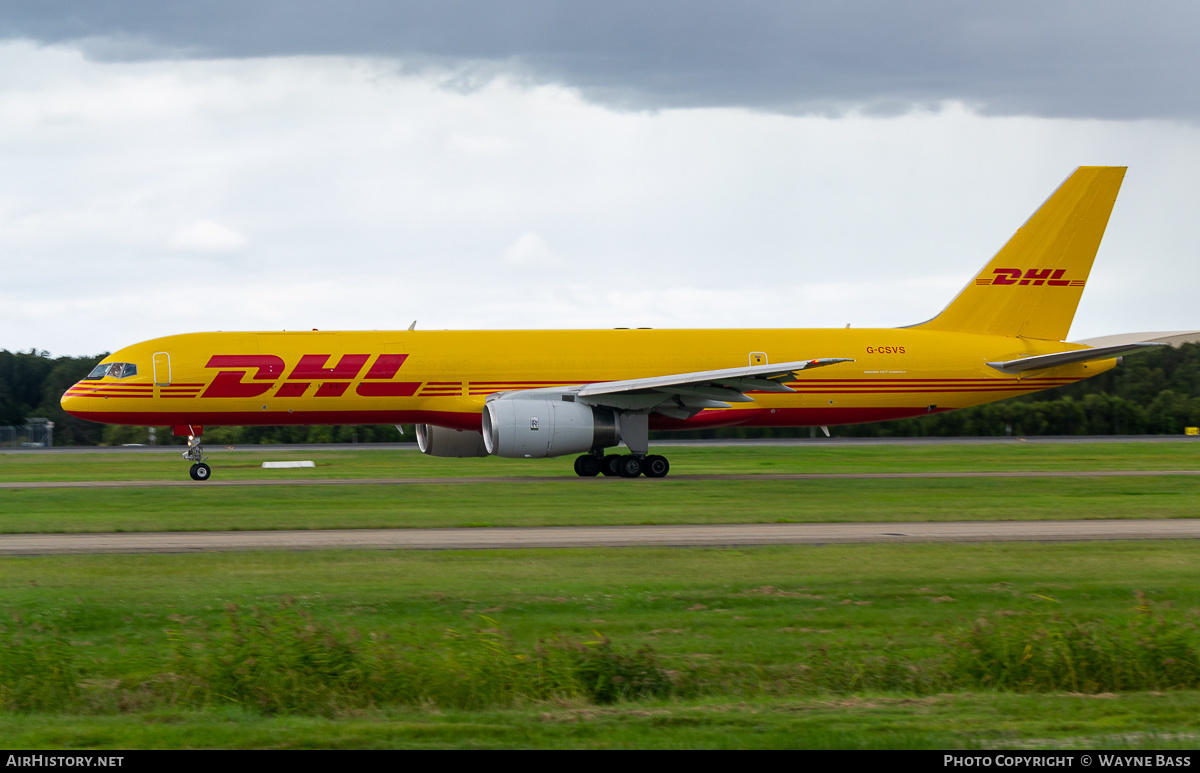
268	369
1031	276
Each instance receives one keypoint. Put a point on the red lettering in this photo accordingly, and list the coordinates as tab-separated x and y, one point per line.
228	383
332	390
1032	276
268	365
1035	276
313	366
386	366
1006	276
292	389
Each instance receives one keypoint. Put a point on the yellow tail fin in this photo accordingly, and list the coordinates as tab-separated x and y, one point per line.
1033	285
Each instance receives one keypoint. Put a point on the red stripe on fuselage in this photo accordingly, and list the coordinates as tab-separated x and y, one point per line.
760	417
388	389
451	419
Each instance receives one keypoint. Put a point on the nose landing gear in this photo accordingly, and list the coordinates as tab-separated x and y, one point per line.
195	454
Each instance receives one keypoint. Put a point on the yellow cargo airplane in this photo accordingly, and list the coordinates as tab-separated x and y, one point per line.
545	393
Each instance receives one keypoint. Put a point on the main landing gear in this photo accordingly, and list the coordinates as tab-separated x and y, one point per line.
635	434
623	465
195	454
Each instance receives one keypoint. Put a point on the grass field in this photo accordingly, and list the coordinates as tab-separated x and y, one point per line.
749	616
245	463
578	503
503	498
824	647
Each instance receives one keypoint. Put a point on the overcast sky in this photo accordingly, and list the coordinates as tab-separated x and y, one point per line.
169	168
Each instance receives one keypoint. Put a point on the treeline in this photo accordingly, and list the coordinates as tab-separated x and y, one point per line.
31	384
1151	393
113	435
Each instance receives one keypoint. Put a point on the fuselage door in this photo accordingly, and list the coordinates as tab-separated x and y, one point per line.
162	369
758	358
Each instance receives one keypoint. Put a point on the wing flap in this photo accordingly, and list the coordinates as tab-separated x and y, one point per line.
681	395
715	378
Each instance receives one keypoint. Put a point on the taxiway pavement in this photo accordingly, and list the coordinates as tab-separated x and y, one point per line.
721	535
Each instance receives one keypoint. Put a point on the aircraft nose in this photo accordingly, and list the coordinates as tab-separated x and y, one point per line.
74	401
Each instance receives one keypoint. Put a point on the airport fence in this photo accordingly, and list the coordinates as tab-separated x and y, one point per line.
38	433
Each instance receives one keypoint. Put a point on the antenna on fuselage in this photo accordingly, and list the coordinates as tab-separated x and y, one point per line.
413	326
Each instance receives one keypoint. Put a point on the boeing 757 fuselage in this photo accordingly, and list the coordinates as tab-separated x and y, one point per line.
534	394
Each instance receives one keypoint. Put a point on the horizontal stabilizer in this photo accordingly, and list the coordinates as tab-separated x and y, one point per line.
1042	361
1172	337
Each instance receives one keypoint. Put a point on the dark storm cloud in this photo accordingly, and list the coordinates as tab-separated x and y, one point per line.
1062	59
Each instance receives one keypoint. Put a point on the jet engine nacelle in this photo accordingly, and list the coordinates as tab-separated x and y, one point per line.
536	428
442	441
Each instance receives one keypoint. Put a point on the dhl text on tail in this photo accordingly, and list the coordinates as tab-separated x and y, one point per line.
535	394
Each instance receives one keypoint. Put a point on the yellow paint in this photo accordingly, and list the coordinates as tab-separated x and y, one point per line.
937	365
1063	234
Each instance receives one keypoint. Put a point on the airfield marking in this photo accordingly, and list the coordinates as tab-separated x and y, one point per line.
550	478
720	535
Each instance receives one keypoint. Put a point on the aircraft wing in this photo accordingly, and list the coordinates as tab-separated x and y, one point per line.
683	395
1022	364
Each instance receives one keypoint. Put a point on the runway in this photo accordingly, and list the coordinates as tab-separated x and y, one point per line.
723	535
798	476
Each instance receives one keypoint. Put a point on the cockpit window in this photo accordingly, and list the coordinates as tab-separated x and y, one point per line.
113	370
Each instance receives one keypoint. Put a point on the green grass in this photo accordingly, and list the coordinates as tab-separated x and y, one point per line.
739	623
245	463
733	602
961	721
503	497
751	614
593	502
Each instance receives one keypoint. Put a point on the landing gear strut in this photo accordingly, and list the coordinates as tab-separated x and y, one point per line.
195	454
